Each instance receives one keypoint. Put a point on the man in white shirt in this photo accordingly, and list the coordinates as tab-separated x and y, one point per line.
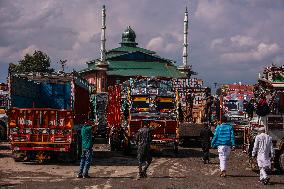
263	149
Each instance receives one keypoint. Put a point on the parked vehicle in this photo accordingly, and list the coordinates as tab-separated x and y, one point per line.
192	108
151	99
45	114
3	107
271	85
233	102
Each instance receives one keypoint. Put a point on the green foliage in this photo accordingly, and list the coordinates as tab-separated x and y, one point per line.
38	62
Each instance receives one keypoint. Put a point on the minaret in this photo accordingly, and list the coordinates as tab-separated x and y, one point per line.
103	37
185	41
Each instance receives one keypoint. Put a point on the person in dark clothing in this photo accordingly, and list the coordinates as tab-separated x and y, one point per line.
143	139
250	109
205	136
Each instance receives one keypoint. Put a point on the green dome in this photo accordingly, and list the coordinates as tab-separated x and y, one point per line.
128	38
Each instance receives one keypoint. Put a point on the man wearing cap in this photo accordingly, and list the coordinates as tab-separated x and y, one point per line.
224	140
263	149
143	139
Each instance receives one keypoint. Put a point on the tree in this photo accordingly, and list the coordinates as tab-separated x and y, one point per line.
38	62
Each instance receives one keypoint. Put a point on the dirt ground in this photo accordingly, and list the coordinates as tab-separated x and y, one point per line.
114	170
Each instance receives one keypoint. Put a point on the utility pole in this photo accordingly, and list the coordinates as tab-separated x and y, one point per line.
63	64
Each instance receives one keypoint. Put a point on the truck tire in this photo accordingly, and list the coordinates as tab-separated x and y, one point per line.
112	145
19	156
127	148
281	161
176	148
2	132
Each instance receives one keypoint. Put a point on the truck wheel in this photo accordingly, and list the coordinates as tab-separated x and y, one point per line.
281	161
19	156
176	148
112	145
127	148
2	132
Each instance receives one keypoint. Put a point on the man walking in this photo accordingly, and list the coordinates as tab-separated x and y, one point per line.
224	140
143	139
263	149
87	150
205	136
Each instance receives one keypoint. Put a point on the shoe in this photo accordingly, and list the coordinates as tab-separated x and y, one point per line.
208	161
86	176
266	181
144	175
79	176
223	174
139	176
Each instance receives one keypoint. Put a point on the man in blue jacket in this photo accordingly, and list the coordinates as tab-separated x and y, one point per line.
224	140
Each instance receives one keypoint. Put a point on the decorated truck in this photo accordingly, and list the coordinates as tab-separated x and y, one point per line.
192	108
233	99
139	100
271	85
45	114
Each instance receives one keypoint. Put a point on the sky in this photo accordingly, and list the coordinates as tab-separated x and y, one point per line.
229	40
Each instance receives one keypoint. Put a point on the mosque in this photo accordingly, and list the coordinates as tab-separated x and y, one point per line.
130	60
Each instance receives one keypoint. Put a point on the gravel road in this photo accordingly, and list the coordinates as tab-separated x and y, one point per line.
114	170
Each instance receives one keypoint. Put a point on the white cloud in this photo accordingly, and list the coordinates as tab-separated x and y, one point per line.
29	50
240	40
161	44
156	43
208	10
216	43
261	52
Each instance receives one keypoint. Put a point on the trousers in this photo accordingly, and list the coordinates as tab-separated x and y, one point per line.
262	173
205	149
224	153
86	160
143	156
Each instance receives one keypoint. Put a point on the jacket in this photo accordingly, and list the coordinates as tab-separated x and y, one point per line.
87	140
223	135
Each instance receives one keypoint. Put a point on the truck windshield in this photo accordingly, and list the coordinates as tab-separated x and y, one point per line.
231	105
139	104
164	103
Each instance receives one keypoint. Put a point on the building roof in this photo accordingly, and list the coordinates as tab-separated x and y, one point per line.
131	60
130	49
146	69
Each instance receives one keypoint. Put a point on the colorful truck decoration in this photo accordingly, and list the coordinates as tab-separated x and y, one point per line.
136	100
271	86
44	115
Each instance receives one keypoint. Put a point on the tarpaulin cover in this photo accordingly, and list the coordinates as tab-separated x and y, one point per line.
28	94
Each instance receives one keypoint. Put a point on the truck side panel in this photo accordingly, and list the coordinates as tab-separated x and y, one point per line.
33	128
81	104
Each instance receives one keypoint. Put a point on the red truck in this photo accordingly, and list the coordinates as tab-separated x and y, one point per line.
151	99
45	114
